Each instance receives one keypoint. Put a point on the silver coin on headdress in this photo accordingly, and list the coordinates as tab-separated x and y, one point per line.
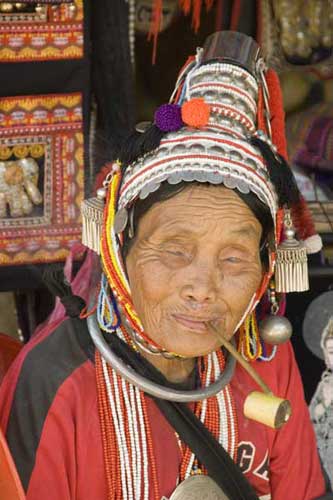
316	319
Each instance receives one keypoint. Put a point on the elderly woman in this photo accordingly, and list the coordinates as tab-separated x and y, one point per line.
141	401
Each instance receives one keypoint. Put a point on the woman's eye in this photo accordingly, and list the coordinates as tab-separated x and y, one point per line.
234	255
233	260
177	253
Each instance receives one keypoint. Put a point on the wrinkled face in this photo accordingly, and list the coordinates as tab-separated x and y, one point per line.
195	259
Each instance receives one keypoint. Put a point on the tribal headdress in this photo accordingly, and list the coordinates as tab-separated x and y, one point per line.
218	128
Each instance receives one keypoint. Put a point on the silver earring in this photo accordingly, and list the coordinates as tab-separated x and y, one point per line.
275	329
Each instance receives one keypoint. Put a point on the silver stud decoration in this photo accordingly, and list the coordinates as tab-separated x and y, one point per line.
120	220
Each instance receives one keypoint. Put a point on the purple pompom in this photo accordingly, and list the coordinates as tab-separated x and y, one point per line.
168	117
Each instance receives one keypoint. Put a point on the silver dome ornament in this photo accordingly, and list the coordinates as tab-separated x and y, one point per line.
275	329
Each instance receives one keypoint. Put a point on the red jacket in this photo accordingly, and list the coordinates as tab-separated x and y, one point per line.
48	409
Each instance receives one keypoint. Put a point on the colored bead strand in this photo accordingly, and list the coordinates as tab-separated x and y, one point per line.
143	441
126	425
132	435
151	454
120	439
232	418
109	247
137	455
111	458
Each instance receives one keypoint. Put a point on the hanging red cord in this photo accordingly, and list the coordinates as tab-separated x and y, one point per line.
155	25
277	113
185	6
301	214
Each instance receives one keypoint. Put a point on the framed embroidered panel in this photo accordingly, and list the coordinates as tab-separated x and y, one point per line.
41	177
41	31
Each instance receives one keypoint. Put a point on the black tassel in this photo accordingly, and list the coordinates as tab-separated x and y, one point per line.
139	144
280	174
55	281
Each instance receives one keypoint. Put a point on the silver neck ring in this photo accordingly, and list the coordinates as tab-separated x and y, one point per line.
152	388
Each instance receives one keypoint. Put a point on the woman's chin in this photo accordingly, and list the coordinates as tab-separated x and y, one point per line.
193	347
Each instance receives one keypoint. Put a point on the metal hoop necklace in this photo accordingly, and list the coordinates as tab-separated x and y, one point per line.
149	387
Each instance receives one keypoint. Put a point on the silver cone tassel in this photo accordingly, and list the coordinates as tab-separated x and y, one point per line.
291	271
92	211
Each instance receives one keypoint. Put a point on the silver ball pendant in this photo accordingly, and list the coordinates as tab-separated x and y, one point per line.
275	330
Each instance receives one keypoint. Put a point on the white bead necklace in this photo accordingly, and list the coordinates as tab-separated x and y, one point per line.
133	449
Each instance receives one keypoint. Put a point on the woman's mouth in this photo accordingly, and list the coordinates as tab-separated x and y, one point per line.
194	324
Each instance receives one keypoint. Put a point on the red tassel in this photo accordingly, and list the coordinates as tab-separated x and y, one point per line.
301	214
185	5
197	5
100	177
302	220
209	4
277	113
155	25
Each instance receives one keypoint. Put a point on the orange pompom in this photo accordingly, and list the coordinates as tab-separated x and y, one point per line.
195	113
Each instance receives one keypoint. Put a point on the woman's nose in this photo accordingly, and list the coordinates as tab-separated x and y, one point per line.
200	286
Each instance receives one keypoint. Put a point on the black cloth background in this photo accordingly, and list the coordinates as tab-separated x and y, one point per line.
112	78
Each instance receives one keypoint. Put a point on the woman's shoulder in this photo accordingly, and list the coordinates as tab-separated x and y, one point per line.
58	353
62	360
50	393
